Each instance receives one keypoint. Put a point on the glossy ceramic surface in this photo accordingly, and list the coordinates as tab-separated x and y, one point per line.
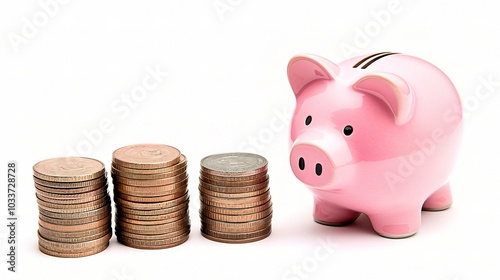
376	134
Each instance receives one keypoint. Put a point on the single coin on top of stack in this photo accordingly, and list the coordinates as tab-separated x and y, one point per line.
74	206
235	199
151	197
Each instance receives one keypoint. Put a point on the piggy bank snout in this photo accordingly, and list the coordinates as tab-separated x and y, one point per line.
311	164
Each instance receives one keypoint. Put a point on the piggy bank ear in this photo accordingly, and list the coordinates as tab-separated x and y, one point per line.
305	68
393	90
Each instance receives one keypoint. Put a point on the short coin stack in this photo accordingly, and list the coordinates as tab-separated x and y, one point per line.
235	199
74	206
151	197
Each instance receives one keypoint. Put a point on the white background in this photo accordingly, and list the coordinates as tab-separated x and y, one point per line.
227	85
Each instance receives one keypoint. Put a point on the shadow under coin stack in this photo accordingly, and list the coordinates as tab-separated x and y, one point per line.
235	199
74	207
151	197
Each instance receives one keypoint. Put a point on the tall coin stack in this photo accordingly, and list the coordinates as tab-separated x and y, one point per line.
151	198
74	206
235	199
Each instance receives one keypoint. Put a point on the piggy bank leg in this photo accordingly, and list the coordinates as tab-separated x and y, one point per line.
439	200
332	215
399	224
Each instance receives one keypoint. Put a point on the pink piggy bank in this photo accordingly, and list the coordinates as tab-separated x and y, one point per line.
375	134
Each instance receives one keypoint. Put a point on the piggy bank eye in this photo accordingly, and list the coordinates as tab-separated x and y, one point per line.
348	130
309	120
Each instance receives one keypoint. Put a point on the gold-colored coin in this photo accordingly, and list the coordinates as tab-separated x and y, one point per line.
68	169
146	156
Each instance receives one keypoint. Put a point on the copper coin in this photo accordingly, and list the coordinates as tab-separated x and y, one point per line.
91	193
76	191
153	244
70	186
77	215
146	156
152	191
255	177
76	239
150	183
153	213
245	183
205	201
233	189
117	172
232	195
236	211
80	227
181	164
68	169
151	205
159	229
90	252
236	227
51	234
182	231
73	208
182	211
235	241
237	218
73	201
233	203
70	222
237	235
153	231
149	222
233	164
147	199
73	247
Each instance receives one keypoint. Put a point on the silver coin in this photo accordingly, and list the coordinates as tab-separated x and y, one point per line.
234	164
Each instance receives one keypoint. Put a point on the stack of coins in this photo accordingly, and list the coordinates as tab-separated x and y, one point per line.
151	197
235	200
74	206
